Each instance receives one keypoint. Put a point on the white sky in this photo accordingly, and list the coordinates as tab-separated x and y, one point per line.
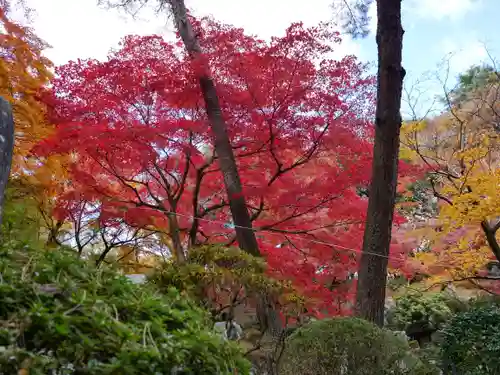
80	29
464	53
440	9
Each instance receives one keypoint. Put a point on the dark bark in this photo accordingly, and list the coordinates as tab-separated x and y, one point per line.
227	162
372	280
6	148
490	233
241	217
175	235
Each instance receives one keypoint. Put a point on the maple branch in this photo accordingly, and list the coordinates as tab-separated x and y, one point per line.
490	234
110	245
496	227
258	150
143	117
451	109
412	101
470	279
479	286
127	183
162	182
268	120
106	250
308	154
439	195
79	227
300	251
54	233
231	241
164	178
182	186
53	228
439	170
300	161
171	215
465	177
307	231
296	215
200	173
213	208
258	210
195	224
126	255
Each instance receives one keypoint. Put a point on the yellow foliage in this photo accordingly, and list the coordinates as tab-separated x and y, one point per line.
132	260
24	72
481	203
409	142
460	248
461	152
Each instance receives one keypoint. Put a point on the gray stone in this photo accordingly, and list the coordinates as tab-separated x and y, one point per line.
6	147
137	278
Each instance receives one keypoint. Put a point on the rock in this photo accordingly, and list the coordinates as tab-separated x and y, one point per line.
137	278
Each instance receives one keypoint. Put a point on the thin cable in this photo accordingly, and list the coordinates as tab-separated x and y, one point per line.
276	233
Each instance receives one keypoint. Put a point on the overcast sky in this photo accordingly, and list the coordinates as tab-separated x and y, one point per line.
81	29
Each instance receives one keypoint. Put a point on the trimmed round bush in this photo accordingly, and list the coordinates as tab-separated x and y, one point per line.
348	346
471	341
61	315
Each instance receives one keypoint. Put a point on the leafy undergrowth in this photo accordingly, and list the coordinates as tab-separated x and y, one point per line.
216	275
61	315
471	341
349	346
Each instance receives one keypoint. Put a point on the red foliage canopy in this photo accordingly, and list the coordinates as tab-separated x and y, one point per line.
299	122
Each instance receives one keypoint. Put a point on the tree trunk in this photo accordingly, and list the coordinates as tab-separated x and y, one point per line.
490	233
6	148
241	217
372	280
175	235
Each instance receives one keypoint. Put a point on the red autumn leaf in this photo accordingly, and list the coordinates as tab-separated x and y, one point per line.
300	127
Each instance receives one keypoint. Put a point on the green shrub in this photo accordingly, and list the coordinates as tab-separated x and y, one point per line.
484	301
415	306
21	219
348	346
471	341
60	315
216	274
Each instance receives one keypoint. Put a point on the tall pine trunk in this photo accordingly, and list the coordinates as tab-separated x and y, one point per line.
6	148
241	217
372	273
268	317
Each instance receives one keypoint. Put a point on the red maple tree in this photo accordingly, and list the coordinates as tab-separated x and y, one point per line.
300	125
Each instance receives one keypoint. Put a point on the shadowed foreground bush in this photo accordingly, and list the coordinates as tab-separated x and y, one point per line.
60	315
348	346
471	341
